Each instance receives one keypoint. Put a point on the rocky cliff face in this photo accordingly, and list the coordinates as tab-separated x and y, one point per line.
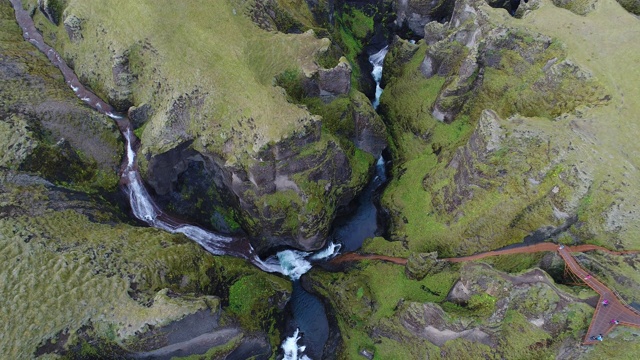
509	157
459	312
226	149
415	14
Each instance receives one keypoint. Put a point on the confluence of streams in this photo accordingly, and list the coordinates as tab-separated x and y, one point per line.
289	262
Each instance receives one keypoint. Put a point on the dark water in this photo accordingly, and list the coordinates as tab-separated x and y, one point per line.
309	316
352	230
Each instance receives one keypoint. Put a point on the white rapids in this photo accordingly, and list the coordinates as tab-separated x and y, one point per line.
377	60
292	263
293	351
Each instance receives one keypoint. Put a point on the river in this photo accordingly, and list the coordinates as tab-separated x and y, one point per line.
308	311
349	232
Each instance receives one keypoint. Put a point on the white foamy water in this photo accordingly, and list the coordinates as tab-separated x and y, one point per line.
113	116
330	251
377	60
294	263
291	349
291	263
144	209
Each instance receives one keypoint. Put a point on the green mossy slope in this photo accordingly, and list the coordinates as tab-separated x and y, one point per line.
44	128
64	270
466	186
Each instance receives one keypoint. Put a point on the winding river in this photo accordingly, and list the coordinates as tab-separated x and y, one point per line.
308	311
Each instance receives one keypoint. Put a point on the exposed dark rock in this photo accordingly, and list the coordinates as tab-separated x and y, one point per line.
121	96
434	32
73	26
254	346
580	7
56	345
632	6
428	321
467	176
139	114
270	16
420	265
370	133
52	9
191	326
415	14
182	172
336	81
459	293
163	169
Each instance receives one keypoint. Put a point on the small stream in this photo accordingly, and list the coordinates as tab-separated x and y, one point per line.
309	317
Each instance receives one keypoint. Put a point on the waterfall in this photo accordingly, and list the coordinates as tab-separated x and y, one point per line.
293	351
377	60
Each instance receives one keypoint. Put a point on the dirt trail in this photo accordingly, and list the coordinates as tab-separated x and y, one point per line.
604	318
355	257
516	250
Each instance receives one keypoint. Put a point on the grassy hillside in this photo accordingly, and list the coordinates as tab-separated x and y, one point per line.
207	49
569	152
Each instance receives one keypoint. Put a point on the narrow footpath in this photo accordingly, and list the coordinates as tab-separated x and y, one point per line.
610	312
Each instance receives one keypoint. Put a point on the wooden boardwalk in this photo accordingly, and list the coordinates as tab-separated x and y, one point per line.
603	317
616	309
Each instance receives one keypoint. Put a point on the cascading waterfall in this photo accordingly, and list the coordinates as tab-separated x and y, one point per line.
294	263
377	60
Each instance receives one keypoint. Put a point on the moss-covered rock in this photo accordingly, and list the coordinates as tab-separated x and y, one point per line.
632	6
415	14
580	7
103	284
420	265
528	76
419	319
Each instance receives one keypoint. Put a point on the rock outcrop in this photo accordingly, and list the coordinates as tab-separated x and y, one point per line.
415	14
496	88
580	7
328	83
52	9
336	81
482	311
420	265
105	285
44	128
220	144
632	6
